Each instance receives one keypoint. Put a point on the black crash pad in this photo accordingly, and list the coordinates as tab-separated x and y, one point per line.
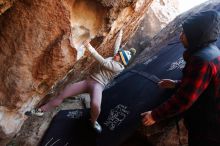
69	128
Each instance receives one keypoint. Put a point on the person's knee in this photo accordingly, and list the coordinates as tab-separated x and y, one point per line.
60	93
96	106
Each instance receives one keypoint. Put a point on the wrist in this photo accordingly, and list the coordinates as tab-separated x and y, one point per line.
154	116
90	48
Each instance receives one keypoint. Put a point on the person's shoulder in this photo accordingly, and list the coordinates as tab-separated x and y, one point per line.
117	64
208	53
109	58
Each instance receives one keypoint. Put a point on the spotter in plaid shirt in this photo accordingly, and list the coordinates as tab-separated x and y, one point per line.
198	93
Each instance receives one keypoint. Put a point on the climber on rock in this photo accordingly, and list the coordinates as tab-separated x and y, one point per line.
108	68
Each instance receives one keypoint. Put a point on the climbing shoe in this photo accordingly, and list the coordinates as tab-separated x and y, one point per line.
35	112
97	127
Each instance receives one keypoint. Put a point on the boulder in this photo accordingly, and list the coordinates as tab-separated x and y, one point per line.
159	14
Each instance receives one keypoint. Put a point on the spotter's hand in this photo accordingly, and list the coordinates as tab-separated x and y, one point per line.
147	119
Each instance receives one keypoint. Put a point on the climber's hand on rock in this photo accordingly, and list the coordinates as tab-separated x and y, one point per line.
89	47
86	43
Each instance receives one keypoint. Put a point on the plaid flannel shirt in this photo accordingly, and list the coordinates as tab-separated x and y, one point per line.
197	74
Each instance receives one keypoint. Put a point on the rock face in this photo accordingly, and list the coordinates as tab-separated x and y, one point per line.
173	29
5	5
38	48
160	13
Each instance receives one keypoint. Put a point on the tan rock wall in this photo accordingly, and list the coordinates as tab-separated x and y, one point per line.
5	5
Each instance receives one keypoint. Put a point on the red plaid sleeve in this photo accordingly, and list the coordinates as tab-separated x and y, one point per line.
196	76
